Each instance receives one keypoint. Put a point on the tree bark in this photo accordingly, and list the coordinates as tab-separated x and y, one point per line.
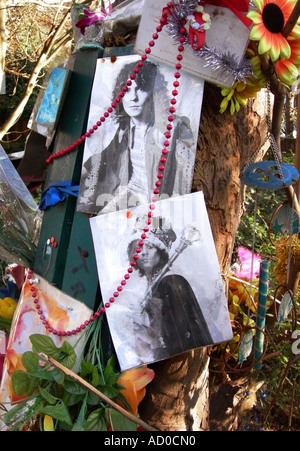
178	397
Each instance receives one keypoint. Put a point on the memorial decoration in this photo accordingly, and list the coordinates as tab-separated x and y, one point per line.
215	56
269	21
121	162
39	298
144	245
19	216
284	222
161	308
48	107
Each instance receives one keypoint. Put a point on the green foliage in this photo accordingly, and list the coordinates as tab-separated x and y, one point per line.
50	392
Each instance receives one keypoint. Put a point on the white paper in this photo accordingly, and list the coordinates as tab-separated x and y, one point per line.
227	34
108	164
136	332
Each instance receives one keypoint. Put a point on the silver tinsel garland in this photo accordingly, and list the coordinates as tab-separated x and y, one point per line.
226	63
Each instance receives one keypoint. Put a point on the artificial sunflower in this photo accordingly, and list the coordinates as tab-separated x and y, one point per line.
287	69
239	94
269	22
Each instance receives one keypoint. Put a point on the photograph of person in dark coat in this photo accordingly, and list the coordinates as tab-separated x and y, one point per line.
123	174
173	321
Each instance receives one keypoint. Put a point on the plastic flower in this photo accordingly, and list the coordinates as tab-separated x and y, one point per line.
287	69
269	22
7	308
239	94
91	17
134	385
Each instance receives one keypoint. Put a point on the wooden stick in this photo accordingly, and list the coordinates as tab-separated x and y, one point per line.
104	398
288	28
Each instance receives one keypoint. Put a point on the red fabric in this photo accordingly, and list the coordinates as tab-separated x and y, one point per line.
240	5
197	38
236	6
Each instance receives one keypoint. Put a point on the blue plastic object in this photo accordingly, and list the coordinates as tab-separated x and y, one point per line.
265	175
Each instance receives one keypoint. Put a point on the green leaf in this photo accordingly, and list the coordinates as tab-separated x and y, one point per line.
121	423
80	422
47	396
74	388
22	413
70	359
30	361
44	344
58	376
20	382
23	383
96	421
60	412
109	391
109	372
5	323
87	369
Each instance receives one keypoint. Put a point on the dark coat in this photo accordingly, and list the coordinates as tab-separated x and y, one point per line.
176	317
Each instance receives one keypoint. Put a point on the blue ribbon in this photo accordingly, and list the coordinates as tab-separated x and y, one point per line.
57	192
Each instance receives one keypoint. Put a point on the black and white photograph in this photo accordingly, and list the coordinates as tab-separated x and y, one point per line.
174	300
121	158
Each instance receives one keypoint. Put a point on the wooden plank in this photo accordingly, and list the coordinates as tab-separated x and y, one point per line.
81	275
58	220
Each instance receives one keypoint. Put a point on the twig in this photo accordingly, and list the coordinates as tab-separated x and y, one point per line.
288	28
104	398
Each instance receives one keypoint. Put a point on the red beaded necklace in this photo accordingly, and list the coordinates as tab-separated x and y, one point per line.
160	175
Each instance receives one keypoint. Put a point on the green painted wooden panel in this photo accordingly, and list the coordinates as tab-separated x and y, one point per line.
58	220
81	275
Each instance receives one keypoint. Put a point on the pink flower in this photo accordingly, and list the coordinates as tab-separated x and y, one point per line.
91	18
246	263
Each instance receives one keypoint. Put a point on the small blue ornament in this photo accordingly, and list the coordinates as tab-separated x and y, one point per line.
266	175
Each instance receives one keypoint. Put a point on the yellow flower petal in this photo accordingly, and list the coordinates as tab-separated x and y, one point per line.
264	46
259	4
48	424
255	16
257	32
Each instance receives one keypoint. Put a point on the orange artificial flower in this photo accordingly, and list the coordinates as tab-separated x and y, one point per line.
287	69
134	385
269	22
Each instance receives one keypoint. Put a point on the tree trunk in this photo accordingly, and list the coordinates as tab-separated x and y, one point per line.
178	397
